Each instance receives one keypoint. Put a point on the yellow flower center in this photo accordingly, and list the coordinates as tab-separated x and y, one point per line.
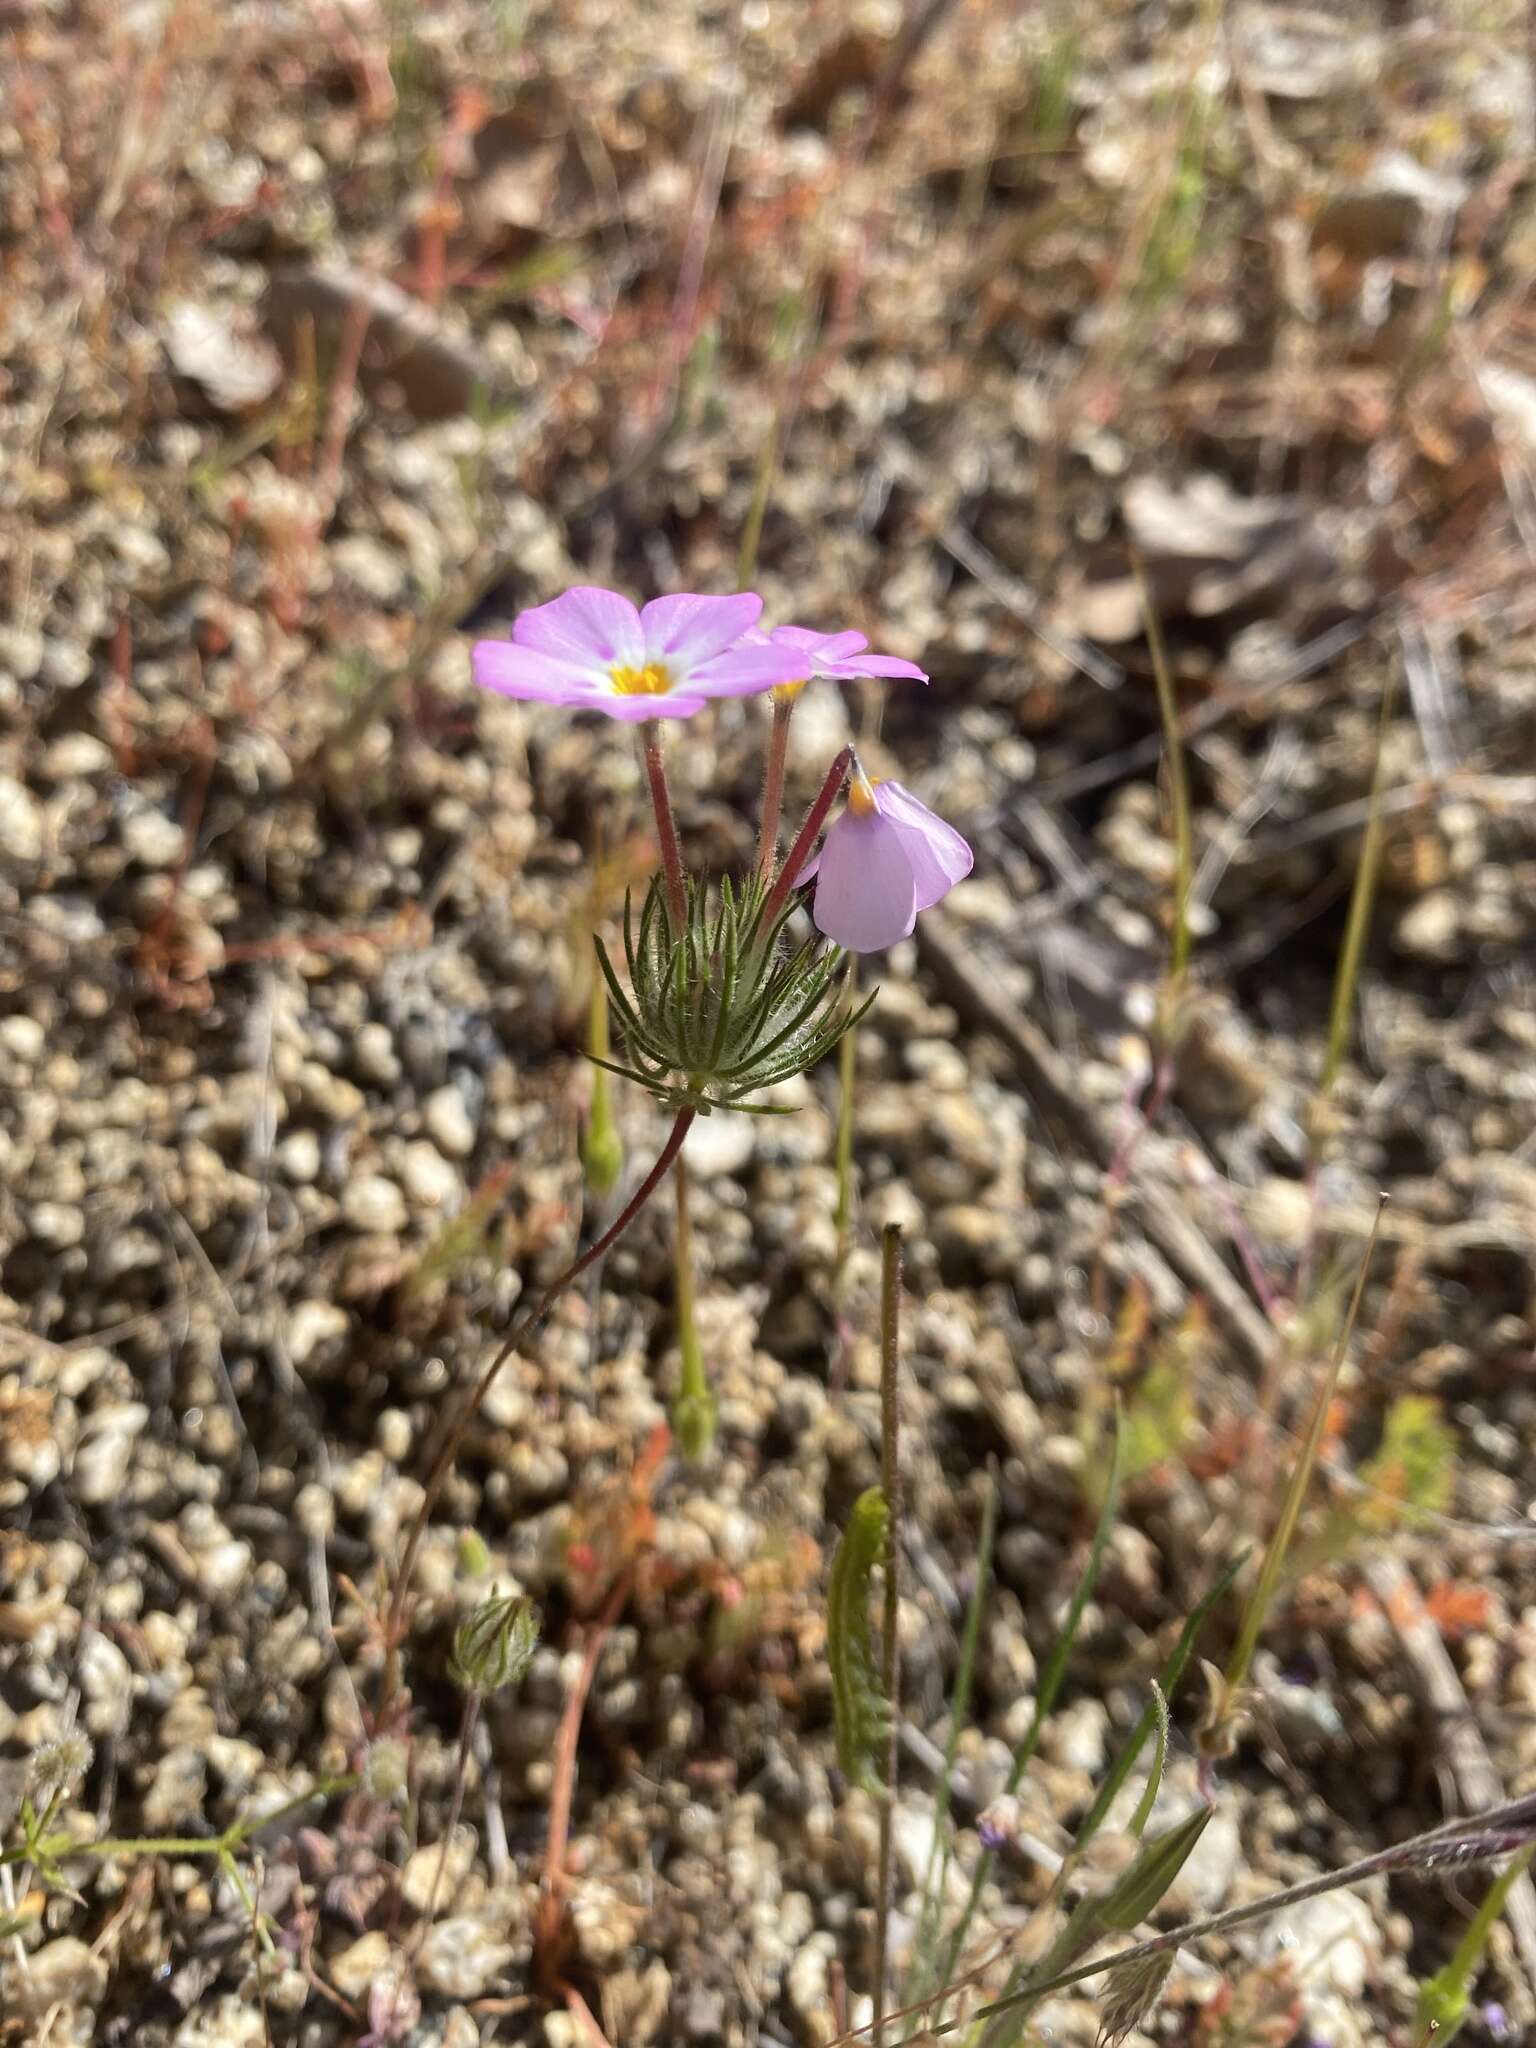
651	681
786	693
861	796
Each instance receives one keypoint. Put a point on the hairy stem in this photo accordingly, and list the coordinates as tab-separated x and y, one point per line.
805	838
890	1481
666	825
773	783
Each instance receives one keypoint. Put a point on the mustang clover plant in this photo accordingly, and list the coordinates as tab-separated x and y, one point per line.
723	999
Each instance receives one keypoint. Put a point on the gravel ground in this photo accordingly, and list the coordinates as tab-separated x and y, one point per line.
332	338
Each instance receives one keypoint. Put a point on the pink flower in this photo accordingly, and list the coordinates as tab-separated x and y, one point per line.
885	859
839	656
590	650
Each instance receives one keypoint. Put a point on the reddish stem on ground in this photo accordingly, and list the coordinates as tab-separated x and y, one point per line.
459	1421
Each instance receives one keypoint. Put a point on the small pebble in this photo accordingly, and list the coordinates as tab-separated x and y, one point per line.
353	1971
462	1958
429	1180
21	822
153	839
105	1451
448	1123
374	1205
298	1157
313	1324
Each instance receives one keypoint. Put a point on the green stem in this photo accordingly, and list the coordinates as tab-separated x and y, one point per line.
890	1483
1443	2000
694	1413
1361	901
602	1149
232	1838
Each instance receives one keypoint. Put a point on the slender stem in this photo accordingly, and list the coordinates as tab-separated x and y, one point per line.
211	1845
890	1481
466	1736
459	1420
773	782
1295	1495
602	1149
805	838
1454	1844
1357	929
1443	2000
1178	788
666	826
693	1412
563	1763
843	1214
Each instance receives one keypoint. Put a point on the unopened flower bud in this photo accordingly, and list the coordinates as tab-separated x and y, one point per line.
494	1645
602	1155
694	1416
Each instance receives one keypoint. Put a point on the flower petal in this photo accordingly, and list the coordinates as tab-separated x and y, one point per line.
595	628
685	631
865	897
514	671
937	854
829	646
743	671
879	665
635	710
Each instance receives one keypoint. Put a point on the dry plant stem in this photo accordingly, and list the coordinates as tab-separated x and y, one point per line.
1178	789
1361	902
890	1481
666	826
1296	1492
460	1421
773	785
563	1770
805	838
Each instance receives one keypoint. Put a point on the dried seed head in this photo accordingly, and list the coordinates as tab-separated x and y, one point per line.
387	1770
1131	1992
494	1645
56	1768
